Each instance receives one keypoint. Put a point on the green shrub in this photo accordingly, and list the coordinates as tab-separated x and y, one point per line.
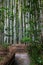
25	40
5	45
34	51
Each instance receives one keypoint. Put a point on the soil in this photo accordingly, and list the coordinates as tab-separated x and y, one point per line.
6	54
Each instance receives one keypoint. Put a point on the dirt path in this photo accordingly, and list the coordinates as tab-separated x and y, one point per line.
22	59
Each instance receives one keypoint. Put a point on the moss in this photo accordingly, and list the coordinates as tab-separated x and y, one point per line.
1	58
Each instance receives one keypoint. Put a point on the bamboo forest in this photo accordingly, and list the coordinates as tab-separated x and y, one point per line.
21	32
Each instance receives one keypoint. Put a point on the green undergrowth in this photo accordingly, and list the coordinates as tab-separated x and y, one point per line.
36	54
5	45
32	62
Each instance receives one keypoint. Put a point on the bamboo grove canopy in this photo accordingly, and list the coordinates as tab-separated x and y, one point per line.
20	19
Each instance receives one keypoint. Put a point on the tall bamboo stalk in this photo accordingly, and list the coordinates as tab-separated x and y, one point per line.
3	20
9	23
12	24
17	23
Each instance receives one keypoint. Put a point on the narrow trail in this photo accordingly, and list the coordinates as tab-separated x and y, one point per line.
21	56
22	59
